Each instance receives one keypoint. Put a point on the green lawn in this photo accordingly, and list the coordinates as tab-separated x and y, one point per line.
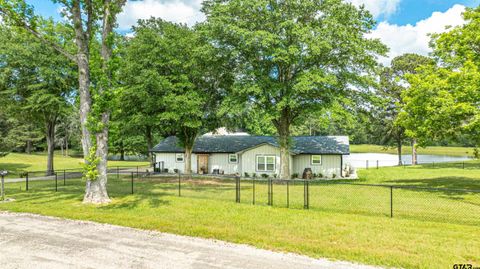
428	230
15	162
451	151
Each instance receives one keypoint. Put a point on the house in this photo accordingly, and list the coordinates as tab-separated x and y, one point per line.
232	154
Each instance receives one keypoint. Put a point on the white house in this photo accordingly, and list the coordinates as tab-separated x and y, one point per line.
242	154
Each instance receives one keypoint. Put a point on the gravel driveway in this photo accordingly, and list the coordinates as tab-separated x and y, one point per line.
33	241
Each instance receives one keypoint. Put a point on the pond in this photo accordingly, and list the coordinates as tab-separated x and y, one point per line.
359	160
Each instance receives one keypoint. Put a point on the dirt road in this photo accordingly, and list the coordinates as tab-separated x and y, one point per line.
33	241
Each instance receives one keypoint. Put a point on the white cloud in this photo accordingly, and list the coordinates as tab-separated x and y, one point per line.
180	11
414	38
378	7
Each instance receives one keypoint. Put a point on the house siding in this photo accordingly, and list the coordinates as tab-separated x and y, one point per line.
331	164
249	158
220	161
171	163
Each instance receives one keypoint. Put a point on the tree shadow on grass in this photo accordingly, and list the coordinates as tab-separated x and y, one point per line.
445	184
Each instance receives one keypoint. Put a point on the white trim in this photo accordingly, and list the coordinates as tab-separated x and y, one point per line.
311	159
265	157
230	159
182	157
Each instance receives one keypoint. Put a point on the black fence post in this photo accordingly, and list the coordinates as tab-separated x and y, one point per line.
306	193
118	172
288	193
132	182
26	182
179	184
391	201
377	164
253	198
56	182
237	188
64	177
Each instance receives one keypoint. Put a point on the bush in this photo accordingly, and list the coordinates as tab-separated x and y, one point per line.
295	175
165	170
246	174
265	175
320	175
254	175
274	175
334	175
175	170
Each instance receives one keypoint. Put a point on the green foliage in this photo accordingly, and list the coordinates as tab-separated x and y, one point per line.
90	172
442	102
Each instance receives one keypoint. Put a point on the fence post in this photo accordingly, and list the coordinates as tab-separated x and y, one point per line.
463	165
137	171
132	182
306	199
391	201
3	187
64	177
237	189
366	164
179	185
26	182
377	164
253	182
56	182
288	193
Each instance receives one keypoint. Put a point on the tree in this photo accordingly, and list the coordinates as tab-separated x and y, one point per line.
293	57
392	85
173	77
37	85
88	19
442	102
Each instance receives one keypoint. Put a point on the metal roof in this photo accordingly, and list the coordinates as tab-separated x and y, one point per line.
234	144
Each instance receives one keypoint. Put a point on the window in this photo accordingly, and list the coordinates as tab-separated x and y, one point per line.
316	159
233	158
265	163
179	158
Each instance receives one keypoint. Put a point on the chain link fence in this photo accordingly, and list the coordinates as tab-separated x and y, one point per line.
393	201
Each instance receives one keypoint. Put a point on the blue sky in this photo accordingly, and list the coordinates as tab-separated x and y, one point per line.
403	25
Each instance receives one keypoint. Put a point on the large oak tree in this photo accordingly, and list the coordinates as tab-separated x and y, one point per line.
293	57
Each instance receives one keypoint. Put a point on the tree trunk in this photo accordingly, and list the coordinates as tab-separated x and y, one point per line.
122	151
399	152
283	129
50	135
188	160
96	191
414	152
149	138
28	148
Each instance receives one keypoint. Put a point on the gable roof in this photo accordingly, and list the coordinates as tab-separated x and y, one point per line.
233	144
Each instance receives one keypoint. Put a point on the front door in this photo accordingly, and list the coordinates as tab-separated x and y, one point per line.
202	165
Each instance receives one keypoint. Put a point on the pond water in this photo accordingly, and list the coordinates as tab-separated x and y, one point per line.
359	160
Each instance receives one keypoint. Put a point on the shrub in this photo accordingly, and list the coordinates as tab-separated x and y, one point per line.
246	174
254	175
295	175
334	175
165	170
175	170
274	175
320	175
265	175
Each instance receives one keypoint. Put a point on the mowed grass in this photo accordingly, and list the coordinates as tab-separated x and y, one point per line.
18	162
437	150
429	229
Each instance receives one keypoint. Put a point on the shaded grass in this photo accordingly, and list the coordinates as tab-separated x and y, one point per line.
345	222
436	150
18	162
